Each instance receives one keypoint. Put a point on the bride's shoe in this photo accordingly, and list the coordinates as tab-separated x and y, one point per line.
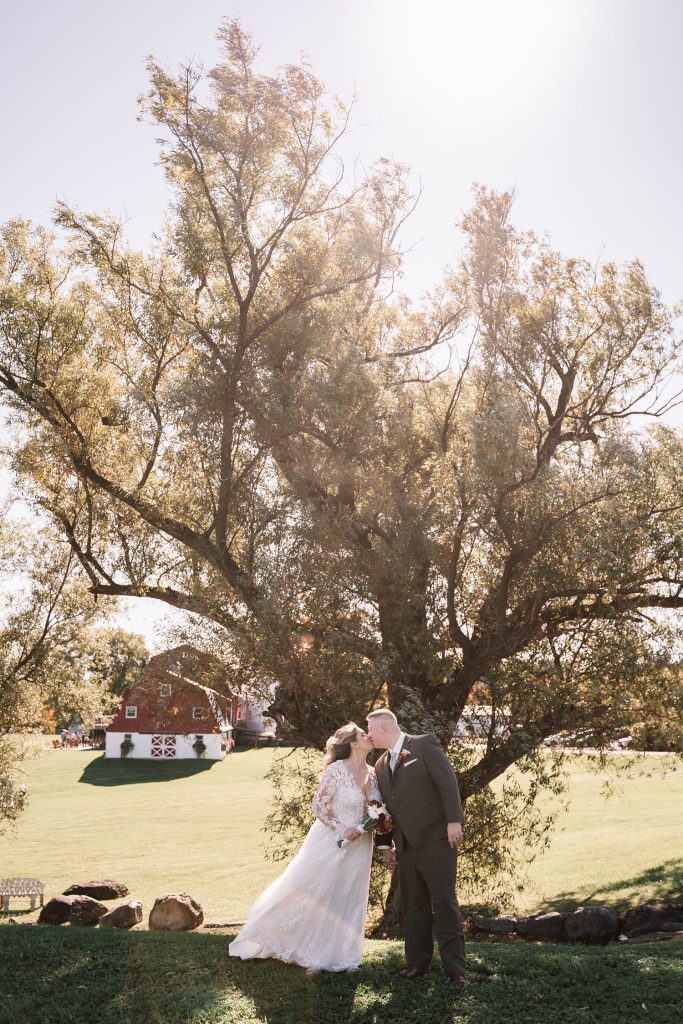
352	970
311	972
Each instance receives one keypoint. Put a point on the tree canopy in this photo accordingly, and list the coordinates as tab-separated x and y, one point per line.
366	498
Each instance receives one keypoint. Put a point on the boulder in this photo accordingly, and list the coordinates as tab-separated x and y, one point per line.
102	890
56	910
649	917
542	926
85	910
497	925
175	912
127	915
592	924
72	910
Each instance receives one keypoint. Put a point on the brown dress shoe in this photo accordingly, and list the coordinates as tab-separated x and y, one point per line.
461	980
411	972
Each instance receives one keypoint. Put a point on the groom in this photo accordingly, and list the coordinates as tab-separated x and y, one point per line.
420	790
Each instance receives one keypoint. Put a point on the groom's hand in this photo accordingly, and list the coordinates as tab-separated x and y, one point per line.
454	834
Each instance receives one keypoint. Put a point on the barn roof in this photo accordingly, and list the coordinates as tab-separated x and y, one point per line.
173	712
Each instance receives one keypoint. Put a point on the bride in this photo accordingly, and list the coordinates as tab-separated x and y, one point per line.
314	913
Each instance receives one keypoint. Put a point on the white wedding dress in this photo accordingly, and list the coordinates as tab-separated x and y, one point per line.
314	913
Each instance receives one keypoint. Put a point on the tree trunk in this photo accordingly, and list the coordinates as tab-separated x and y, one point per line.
390	924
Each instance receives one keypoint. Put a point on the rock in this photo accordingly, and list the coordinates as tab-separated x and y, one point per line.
175	912
497	925
85	910
127	915
654	937
102	890
592	924
542	926
649	918
56	910
72	909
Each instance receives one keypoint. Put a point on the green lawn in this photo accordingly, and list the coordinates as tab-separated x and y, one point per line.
195	826
617	851
83	976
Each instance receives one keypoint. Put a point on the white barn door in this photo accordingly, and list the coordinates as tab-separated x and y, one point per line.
163	746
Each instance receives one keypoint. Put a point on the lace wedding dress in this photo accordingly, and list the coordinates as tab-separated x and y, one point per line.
314	913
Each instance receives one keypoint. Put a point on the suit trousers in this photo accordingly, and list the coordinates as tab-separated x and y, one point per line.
427	875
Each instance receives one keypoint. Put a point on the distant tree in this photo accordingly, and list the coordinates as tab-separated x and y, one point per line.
45	614
366	500
117	658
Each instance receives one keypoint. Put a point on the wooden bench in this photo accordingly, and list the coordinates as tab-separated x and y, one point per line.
31	888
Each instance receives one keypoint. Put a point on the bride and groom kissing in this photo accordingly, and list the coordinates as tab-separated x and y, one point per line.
314	913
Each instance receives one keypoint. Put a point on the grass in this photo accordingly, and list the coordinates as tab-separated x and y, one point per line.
68	975
195	826
188	826
617	851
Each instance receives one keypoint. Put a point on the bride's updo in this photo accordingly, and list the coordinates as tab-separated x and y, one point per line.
338	747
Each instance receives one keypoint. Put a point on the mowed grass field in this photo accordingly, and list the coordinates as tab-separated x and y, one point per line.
196	827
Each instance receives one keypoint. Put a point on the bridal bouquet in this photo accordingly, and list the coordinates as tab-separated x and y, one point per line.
376	820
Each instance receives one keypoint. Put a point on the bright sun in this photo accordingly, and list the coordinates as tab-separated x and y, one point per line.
487	52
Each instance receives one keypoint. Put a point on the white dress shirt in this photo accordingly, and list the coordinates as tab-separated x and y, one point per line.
395	751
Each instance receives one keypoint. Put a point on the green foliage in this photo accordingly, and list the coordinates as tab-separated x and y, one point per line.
13	789
117	658
199	747
126	746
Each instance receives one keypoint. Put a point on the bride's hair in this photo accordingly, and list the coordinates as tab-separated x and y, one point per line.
338	747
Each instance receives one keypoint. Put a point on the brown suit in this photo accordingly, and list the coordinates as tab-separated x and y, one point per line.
422	797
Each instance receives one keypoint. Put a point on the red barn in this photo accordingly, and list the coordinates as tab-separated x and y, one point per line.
182	708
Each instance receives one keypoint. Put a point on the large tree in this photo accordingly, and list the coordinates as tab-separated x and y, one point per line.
46	619
366	499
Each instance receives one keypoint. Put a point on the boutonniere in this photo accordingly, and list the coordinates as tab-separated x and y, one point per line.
404	755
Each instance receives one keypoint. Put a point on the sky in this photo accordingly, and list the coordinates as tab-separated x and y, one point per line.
575	104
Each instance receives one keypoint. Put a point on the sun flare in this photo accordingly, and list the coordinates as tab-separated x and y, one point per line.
485	52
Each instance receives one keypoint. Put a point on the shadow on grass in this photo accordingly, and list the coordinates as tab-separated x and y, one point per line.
662	884
68	975
109	771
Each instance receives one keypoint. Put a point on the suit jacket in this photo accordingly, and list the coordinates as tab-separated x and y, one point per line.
422	796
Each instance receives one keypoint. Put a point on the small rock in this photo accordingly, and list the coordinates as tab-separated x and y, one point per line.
497	925
542	926
175	912
127	915
222	924
592	924
80	910
102	890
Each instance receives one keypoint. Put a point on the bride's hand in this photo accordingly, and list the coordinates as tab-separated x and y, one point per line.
351	834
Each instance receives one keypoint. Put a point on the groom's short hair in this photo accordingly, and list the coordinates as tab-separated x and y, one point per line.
384	713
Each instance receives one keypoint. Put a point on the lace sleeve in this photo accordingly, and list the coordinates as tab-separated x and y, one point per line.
323	800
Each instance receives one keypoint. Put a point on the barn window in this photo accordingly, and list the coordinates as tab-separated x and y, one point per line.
199	712
131	711
165	690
